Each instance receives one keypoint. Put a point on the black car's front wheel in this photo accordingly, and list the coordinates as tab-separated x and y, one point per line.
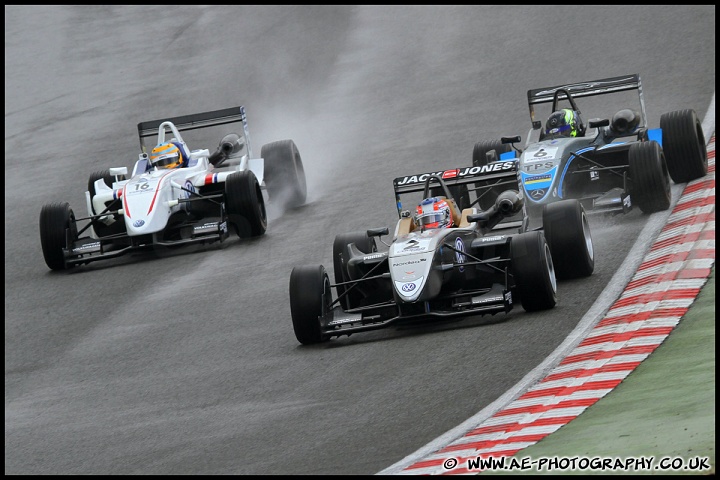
567	231
310	298
533	271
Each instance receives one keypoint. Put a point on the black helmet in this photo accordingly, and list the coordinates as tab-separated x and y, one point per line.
565	123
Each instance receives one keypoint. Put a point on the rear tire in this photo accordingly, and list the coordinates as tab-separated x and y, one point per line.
650	178
567	231
310	298
479	159
533	271
245	204
684	145
284	173
55	220
340	258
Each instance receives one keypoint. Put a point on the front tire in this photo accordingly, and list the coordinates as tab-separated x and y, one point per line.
567	231
684	145
284	173
310	299
57	222
650	178
245	204
533	271
340	258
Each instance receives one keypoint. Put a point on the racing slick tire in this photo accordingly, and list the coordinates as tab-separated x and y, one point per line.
650	178
284	173
245	204
479	159
340	258
567	232
683	143
102	229
533	271
55	220
310	298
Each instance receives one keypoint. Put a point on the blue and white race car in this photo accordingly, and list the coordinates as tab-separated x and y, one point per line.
609	164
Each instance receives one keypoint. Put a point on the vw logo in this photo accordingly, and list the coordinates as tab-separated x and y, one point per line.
408	287
138	223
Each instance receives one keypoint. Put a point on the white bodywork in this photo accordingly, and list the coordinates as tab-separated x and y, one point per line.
151	196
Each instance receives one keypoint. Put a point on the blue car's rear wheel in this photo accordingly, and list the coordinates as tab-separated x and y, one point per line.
684	145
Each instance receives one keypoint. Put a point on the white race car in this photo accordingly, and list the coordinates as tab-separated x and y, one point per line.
159	207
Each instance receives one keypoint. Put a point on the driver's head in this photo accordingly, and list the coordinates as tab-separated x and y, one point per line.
433	212
166	155
563	123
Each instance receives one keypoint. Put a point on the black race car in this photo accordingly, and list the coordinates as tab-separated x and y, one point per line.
486	263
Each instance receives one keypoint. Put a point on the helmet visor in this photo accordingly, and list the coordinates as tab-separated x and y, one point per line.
167	161
431	220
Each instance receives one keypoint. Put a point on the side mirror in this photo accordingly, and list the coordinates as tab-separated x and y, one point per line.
118	171
377	232
598	122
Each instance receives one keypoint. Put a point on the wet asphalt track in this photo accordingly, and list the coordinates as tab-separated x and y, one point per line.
188	364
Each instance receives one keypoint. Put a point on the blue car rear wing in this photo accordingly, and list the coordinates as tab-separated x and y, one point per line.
587	89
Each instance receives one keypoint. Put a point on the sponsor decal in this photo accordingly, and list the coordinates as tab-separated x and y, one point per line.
409	262
138	223
508	297
542	154
408	289
492	239
627	203
538	178
594	175
342	320
537	194
498	298
87	246
494	167
459	254
538	166
373	257
584	86
450	173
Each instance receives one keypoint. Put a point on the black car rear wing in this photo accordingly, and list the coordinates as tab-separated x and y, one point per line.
479	177
194	121
588	89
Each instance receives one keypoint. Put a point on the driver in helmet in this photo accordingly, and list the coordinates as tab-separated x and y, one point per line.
169	155
433	212
564	123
